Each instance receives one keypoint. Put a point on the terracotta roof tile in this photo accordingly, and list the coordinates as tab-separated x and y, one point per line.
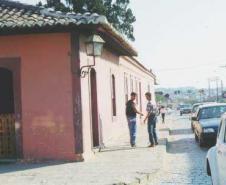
22	15
15	15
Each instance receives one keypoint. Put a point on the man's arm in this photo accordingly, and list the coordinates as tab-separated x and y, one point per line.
150	110
135	110
147	116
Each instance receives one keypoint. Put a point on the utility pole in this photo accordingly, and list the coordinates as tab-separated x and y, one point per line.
216	81
209	88
217	89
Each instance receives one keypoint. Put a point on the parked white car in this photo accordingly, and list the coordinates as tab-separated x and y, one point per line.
216	157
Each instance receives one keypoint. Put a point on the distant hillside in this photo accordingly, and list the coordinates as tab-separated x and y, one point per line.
172	90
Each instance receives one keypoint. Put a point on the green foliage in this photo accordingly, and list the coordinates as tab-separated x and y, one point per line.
57	4
160	98
117	12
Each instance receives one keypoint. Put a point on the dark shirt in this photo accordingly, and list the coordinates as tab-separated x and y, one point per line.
130	112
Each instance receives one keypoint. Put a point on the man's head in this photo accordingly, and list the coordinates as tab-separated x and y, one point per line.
148	96
133	95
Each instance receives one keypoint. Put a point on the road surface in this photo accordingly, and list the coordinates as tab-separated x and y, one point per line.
185	160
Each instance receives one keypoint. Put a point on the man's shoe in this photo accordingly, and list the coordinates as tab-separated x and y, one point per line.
156	143
152	145
133	145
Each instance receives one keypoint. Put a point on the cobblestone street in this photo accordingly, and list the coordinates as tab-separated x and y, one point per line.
118	163
185	160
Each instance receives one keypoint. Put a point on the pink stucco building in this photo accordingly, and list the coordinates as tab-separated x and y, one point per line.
47	110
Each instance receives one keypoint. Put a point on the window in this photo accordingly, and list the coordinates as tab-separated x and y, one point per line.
131	84
219	130
222	131
136	90
140	92
113	95
126	88
212	112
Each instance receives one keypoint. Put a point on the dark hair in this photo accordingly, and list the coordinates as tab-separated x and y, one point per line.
133	94
148	94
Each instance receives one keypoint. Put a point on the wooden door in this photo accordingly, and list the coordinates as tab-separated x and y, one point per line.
94	107
7	137
7	121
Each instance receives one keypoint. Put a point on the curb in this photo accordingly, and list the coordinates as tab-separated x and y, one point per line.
144	179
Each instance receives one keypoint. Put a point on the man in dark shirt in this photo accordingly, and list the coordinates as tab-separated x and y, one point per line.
131	114
152	119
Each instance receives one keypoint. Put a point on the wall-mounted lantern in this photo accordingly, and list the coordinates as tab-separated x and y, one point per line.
94	47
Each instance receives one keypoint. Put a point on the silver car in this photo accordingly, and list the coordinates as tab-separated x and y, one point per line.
216	157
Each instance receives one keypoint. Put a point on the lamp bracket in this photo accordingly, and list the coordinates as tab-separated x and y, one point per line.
84	70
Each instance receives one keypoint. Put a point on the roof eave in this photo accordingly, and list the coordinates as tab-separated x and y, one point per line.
119	39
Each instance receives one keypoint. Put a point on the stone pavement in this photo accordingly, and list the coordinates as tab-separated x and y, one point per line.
116	164
184	163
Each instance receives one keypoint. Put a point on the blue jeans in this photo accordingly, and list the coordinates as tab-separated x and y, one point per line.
132	129
152	131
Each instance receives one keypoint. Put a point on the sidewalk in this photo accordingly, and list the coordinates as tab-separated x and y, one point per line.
117	164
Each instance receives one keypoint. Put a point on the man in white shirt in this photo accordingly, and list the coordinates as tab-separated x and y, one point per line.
152	119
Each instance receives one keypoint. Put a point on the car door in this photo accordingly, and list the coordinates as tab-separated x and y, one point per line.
221	154
195	122
198	127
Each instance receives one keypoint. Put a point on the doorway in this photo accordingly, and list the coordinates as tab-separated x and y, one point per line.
94	107
10	124
7	123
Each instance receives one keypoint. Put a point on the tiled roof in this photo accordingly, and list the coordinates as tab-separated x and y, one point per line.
15	15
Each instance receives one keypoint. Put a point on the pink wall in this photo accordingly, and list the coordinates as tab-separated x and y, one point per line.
47	117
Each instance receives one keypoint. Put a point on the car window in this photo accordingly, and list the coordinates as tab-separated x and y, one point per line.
221	133
212	112
219	130
195	108
198	113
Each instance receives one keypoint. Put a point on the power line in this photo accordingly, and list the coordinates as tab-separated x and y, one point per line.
204	65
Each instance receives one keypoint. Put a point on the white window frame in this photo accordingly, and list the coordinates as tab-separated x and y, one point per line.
221	136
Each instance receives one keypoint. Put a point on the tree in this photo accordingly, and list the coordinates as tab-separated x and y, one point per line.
117	12
56	4
160	98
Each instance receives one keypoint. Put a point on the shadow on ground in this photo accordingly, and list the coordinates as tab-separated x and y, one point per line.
127	147
184	146
180	132
164	129
15	167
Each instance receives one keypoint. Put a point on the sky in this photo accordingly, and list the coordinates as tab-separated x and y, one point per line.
182	41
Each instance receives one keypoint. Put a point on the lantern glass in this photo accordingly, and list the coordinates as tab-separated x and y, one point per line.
98	49
90	49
